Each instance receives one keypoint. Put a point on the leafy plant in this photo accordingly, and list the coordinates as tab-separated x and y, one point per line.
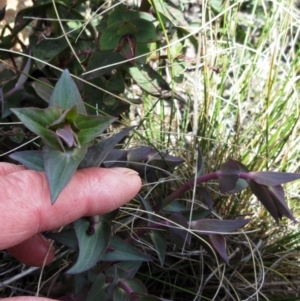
114	49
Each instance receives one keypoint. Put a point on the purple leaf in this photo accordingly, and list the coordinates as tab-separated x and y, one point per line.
229	174
200	163
206	197
262	193
216	226
272	178
139	154
97	153
67	135
24	75
231	167
228	182
277	193
179	235
218	242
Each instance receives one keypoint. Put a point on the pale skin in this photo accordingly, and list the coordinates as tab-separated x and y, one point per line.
26	210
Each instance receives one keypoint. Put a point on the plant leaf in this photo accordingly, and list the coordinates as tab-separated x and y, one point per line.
160	244
91	247
206	197
98	289
218	242
272	178
277	193
200	163
102	59
263	195
119	250
216	226
66	94
67	238
43	90
179	235
24	75
97	153
60	167
31	159
149	80
37	120
46	50
91	127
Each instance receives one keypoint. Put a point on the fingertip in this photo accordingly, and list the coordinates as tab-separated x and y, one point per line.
35	251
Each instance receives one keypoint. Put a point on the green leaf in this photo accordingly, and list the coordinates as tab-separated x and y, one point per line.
97	153
67	238
121	12
31	159
98	289
160	243
66	94
91	247
91	127
149	80
37	120
119	250
109	39
43	90
102	59
146	31
171	12
46	50
116	83
60	167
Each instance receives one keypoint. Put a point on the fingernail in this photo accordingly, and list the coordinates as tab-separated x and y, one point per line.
124	171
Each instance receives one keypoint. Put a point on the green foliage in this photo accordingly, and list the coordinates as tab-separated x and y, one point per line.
109	255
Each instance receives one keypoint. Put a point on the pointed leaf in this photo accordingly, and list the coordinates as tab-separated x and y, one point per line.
67	238
119	250
98	289
45	50
216	226
43	90
37	120
200	163
24	75
160	244
2	13
97	153
263	195
206	197
179	235
67	135
102	59
219	244
277	193
270	178
91	127
66	94
32	159
149	80
60	167
91	247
